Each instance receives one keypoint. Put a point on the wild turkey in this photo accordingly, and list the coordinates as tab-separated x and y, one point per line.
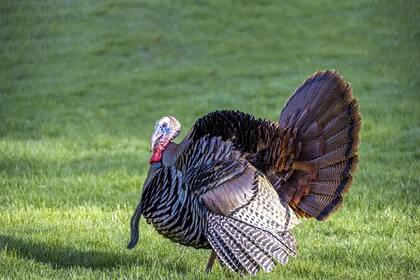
237	184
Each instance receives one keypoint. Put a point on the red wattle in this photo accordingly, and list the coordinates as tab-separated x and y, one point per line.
156	156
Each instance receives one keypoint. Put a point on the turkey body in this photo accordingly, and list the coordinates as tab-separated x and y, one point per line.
237	184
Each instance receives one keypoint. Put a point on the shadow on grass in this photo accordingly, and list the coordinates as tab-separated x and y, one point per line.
66	257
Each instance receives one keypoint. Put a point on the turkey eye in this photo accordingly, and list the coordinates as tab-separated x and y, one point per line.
164	128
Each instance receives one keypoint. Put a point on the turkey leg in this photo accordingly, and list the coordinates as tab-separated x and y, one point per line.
211	261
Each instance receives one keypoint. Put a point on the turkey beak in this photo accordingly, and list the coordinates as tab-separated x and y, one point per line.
155	140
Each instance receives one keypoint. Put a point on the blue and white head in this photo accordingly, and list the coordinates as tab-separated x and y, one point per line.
166	130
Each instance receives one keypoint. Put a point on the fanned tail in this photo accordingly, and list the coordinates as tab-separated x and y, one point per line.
325	115
247	249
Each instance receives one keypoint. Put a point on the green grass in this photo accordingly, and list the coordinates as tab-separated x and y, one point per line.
83	82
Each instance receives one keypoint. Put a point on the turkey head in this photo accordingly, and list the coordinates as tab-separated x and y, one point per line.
166	129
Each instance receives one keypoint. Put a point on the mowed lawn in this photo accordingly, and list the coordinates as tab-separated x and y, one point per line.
83	82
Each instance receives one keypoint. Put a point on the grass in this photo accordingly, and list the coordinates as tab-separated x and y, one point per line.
83	82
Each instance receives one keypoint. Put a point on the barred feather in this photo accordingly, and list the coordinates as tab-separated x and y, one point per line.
249	247
329	134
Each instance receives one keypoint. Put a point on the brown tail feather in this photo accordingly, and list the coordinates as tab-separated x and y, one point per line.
327	187
326	116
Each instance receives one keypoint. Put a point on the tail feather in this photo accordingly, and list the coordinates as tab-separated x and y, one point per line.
329	110
340	139
342	119
333	157
247	249
328	188
313	149
337	171
326	116
315	202
323	93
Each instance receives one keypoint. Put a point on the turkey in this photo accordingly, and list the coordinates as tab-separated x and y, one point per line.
238	185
